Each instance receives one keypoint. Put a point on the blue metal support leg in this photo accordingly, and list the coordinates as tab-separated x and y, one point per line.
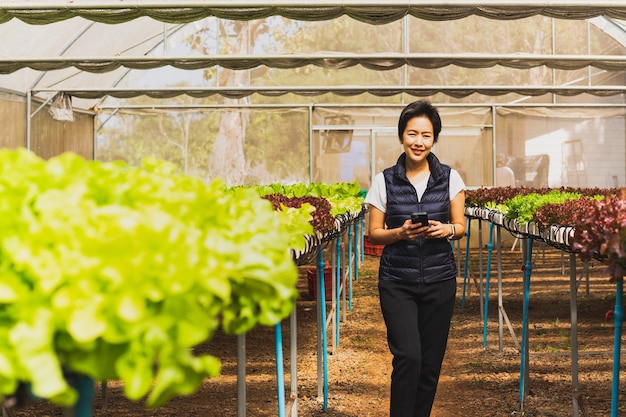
524	354
280	373
466	266
349	265
487	280
618	320
322	343
337	294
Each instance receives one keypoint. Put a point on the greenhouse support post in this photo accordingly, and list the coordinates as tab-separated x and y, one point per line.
105	394
503	318
241	375
466	266
349	266
524	354
293	348
480	269
280	375
322	344
500	303
487	279
362	239
456	246
573	288
84	385
618	320
357	252
337	291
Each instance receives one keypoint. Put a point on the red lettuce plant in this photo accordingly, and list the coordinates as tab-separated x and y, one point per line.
563	214
601	233
322	220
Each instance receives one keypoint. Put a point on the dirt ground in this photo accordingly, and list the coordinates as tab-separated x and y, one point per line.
476	380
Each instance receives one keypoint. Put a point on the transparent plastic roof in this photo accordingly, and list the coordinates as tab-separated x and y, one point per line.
106	52
89	42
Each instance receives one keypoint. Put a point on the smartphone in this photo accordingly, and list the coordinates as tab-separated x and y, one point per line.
421	217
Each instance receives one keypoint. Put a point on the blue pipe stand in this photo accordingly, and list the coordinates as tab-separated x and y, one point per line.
618	320
574	331
280	374
487	279
84	385
337	294
349	266
358	236
322	343
467	252
524	354
362	239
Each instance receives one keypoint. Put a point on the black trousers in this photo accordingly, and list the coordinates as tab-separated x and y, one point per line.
418	321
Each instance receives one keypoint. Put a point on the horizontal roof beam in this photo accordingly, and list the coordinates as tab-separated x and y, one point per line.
236	4
312	91
370	11
380	62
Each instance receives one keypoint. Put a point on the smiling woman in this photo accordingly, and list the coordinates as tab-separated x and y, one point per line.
417	275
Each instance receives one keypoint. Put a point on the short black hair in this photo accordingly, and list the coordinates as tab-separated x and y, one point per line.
417	109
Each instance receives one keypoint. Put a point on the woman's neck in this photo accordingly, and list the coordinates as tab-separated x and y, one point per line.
416	170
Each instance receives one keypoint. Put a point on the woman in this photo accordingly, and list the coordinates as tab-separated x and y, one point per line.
417	273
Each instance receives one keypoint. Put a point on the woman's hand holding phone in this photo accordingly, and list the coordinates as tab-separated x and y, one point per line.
421	218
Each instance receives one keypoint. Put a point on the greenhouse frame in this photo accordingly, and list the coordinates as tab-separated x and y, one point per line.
562	125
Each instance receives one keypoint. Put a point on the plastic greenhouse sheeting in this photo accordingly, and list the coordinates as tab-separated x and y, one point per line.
96	48
371	11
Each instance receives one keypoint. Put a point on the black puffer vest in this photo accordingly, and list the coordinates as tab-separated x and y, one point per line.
421	260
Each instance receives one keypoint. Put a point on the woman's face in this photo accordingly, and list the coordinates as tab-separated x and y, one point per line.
418	138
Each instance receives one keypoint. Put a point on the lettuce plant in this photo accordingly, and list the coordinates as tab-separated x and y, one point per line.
117	272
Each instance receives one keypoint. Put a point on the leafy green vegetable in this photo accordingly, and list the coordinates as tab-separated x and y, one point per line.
522	207
118	272
597	216
344	197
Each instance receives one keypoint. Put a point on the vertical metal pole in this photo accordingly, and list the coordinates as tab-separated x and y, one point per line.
29	101
618	320
241	375
84	385
362	239
524	354
311	160
586	272
573	331
322	343
406	48
480	268
350	263
280	373
336	293
293	348
467	252
372	155
457	248
357	250
487	280
104	393
500	304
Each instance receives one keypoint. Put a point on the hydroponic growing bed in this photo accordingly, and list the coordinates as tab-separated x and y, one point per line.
588	223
